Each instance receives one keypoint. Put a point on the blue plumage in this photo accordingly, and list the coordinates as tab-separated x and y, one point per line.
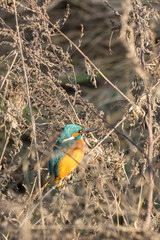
69	130
58	154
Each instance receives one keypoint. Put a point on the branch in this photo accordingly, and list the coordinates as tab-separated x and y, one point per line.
150	168
6	143
114	127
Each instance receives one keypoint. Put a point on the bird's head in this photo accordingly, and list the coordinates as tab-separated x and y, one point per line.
73	132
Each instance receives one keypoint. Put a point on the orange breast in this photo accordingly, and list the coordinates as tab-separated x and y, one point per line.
67	163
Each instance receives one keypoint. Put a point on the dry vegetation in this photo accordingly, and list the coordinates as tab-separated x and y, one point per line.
115	192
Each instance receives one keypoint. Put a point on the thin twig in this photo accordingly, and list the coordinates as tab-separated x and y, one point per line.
100	142
30	109
156	139
13	62
109	6
116	130
150	168
6	143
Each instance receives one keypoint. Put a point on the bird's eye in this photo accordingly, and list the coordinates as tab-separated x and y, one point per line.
80	131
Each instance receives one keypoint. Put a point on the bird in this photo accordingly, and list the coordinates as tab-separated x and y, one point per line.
68	152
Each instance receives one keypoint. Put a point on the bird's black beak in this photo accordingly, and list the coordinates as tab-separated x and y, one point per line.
90	130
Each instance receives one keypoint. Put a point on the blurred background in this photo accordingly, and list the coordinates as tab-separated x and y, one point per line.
101	42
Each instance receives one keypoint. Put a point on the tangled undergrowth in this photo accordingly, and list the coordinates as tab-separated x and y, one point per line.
114	193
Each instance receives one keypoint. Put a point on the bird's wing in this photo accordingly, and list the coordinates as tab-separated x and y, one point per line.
56	157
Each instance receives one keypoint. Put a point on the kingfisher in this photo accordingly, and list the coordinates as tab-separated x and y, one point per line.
68	152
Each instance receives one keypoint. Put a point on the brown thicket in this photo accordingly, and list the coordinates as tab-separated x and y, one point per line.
115	191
